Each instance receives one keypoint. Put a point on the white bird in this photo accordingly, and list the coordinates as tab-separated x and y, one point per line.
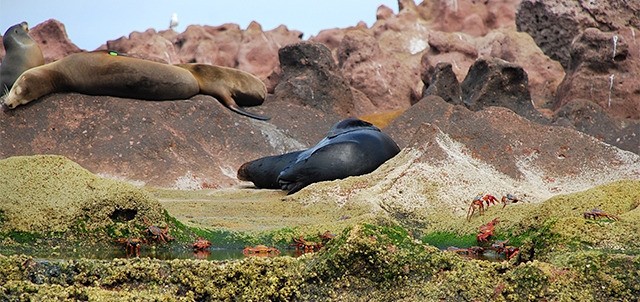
174	21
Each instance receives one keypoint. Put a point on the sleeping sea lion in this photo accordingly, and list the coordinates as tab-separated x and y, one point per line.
113	74
352	147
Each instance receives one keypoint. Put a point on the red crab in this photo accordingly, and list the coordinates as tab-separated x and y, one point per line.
132	245
486	230
597	213
478	203
201	244
260	250
157	233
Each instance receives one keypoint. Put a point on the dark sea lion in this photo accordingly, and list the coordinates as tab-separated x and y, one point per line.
352	147
264	172
113	74
22	53
230	86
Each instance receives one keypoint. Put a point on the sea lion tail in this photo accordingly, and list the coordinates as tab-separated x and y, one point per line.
241	111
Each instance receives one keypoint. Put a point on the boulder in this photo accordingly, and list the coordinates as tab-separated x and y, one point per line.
603	69
217	45
148	45
52	37
186	144
495	82
554	24
311	78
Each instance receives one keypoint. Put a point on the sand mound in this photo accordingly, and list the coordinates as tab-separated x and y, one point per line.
51	194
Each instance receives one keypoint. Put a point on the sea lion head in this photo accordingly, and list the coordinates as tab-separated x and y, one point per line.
29	86
348	125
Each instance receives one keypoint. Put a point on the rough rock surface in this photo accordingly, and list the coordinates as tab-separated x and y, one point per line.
603	69
460	153
53	40
310	77
554	24
377	71
494	82
149	45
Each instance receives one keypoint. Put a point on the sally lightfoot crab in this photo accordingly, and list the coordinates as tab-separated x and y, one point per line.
597	214
156	233
478	203
132	245
260	250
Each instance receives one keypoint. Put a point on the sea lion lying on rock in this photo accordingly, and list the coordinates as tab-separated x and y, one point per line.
352	147
113	74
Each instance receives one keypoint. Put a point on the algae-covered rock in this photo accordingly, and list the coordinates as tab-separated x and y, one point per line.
370	261
49	194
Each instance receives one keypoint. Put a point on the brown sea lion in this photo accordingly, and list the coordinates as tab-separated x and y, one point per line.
230	86
22	53
109	73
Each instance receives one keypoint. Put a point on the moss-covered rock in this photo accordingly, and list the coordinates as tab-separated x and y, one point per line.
51	196
379	261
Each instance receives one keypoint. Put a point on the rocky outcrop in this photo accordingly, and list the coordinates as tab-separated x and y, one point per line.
603	69
554	24
52	37
596	42
378	72
149	45
310	77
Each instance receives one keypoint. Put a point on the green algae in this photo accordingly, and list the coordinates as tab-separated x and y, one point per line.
379	261
50	197
383	256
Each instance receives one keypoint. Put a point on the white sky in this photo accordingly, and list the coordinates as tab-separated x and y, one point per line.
90	24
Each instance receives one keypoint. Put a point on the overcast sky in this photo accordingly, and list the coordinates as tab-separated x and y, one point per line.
90	24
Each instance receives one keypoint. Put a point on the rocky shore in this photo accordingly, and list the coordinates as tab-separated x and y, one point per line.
537	99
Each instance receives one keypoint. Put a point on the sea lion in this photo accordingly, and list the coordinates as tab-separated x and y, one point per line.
113	74
352	147
230	86
264	172
22	53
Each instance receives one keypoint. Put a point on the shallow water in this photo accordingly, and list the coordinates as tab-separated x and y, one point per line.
145	252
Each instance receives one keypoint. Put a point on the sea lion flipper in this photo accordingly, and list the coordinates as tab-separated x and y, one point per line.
230	103
330	162
241	111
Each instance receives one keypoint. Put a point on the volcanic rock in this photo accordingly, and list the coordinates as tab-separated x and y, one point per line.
443	83
460	153
603	69
188	144
311	78
148	45
476	18
52	37
494	82
588	117
389	82
258	53
217	45
554	24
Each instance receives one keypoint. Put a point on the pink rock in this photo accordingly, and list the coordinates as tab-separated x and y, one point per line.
53	40
217	45
390	83
149	45
476	18
258	52
604	72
